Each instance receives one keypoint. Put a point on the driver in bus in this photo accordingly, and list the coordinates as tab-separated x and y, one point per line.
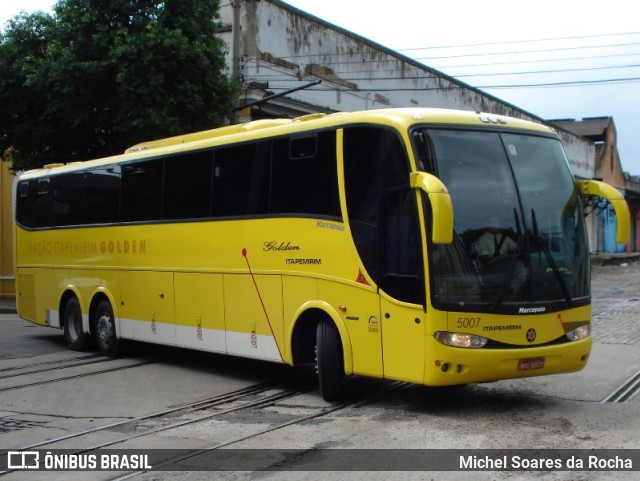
494	242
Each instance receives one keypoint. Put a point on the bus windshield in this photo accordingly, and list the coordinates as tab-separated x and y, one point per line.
519	235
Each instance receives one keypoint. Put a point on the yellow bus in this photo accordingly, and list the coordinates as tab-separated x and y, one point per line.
432	246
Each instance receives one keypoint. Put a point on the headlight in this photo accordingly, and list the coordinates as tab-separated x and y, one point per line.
579	333
457	339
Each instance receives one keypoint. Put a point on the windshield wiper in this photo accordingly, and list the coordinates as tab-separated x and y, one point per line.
506	281
540	242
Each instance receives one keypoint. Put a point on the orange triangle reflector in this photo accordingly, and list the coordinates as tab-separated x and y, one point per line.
361	279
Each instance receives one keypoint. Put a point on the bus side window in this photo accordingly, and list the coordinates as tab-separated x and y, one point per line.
101	196
141	191
33	203
303	147
25	203
42	207
374	162
240	179
66	199
400	246
425	159
305	179
187	185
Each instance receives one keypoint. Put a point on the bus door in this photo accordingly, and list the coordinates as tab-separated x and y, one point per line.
383	219
402	287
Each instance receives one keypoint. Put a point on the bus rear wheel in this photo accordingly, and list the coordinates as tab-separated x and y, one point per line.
330	361
74	334
105	329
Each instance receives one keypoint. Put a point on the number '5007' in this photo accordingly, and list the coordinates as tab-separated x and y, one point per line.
467	322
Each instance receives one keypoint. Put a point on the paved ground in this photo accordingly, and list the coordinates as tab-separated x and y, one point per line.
616	301
7	305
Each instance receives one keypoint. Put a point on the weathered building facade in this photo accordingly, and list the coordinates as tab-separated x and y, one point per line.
275	48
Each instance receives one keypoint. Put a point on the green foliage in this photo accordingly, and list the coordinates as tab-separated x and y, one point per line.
101	75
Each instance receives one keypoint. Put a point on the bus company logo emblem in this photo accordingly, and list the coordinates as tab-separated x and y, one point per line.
275	246
531	335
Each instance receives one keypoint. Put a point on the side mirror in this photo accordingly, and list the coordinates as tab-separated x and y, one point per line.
620	207
441	206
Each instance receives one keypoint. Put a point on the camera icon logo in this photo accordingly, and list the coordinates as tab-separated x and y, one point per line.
23	460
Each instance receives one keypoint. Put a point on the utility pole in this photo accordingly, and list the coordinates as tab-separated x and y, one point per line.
235	31
235	49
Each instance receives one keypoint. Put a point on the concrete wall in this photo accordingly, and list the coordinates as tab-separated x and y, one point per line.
608	165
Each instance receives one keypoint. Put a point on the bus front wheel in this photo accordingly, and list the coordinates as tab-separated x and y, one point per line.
75	336
105	329
330	361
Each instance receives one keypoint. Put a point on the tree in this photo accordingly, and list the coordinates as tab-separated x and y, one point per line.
101	75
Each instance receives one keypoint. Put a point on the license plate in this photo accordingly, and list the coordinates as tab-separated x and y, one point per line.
529	364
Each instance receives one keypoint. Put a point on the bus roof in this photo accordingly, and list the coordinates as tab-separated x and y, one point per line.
257	129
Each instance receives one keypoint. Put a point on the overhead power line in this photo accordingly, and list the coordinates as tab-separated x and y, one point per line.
520	52
563	84
545	60
536	72
479	87
508	42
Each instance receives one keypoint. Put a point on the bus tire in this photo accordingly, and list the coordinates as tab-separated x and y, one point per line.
330	361
104	326
74	335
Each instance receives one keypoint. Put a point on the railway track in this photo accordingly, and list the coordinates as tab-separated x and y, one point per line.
48	372
199	458
225	421
255	402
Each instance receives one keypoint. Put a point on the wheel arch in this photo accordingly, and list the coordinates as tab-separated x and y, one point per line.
301	336
97	297
68	293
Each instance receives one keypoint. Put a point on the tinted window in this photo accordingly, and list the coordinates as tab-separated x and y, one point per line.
66	199
285	176
25	203
241	176
374	161
42	207
305	178
141	191
303	147
401	260
101	197
187	185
